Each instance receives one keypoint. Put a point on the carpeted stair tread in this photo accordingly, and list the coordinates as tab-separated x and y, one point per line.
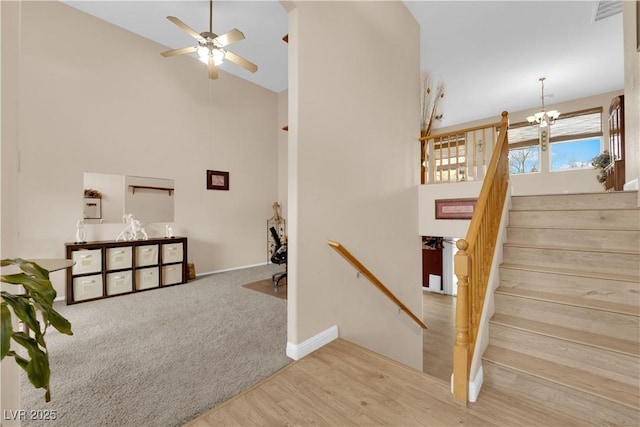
618	345
573	301
571	272
577	379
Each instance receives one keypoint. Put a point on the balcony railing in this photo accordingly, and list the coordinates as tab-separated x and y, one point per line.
461	155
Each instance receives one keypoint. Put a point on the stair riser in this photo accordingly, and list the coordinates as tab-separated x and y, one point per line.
625	240
584	406
616	291
616	325
603	262
608	364
591	219
618	200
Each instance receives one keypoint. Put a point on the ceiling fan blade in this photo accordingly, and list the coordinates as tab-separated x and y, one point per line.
232	36
213	71
250	66
184	27
175	52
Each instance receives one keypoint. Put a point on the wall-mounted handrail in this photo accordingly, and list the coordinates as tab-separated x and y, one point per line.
373	279
473	261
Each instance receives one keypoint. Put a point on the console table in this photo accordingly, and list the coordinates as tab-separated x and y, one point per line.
109	268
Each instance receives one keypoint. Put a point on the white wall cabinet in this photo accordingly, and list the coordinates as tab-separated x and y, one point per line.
109	268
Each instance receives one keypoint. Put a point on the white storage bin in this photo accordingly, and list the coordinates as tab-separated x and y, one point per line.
87	261
119	283
87	287
171	274
172	252
147	278
119	258
146	255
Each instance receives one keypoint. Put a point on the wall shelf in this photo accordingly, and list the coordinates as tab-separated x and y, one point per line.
147	187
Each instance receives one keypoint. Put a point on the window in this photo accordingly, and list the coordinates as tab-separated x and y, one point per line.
575	140
576	154
524	160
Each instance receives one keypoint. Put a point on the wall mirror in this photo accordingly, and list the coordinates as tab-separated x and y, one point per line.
108	197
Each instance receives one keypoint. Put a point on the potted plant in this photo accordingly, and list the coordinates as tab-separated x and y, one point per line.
33	306
600	162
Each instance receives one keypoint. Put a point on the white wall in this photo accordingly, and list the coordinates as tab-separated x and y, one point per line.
97	98
9	75
283	141
353	173
631	93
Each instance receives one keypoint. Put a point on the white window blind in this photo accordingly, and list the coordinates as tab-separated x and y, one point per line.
574	125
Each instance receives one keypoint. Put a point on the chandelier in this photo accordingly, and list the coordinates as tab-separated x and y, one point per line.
543	119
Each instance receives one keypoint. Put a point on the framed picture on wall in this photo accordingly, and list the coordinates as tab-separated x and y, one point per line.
217	180
455	208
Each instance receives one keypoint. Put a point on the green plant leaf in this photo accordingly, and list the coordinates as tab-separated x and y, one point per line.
59	322
33	269
38	367
23	310
42	288
7	330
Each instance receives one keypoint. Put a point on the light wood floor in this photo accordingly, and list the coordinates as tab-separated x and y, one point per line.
439	313
344	384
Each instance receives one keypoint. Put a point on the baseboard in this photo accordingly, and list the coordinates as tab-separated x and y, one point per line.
206	273
298	351
631	185
428	289
474	386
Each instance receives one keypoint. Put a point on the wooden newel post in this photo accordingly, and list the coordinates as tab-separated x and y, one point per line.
461	346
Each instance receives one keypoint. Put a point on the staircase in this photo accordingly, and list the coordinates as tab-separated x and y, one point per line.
566	329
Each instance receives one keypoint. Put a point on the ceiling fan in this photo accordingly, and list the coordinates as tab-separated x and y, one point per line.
211	47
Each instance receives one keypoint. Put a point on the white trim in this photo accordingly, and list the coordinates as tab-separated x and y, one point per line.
230	269
475	386
298	351
631	185
60	298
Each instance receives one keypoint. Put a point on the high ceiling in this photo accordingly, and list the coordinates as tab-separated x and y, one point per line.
489	55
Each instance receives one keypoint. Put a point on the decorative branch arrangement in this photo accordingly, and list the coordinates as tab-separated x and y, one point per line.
429	102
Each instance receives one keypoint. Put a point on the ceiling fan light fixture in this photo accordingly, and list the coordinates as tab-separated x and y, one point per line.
218	56
203	53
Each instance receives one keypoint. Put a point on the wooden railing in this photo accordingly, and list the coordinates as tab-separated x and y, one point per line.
457	156
473	261
373	279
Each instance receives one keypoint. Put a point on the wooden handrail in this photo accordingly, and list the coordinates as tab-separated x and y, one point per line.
459	131
474	258
373	279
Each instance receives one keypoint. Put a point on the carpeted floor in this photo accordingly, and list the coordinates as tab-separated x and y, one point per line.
266	287
162	357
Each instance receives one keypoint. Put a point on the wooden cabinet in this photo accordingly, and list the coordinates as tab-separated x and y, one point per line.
109	268
615	172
